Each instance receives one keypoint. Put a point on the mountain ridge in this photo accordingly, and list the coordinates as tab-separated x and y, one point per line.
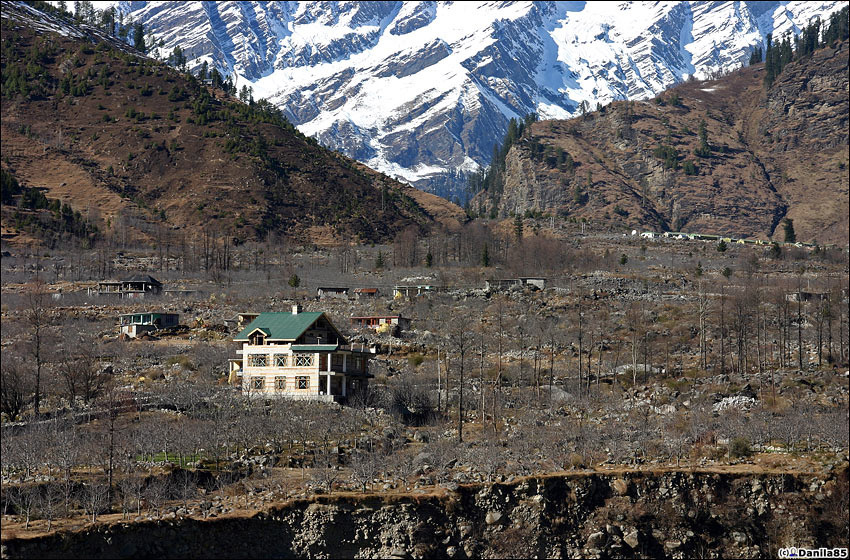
348	73
136	144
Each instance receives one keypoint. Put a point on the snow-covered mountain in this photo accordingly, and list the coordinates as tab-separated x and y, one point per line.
423	90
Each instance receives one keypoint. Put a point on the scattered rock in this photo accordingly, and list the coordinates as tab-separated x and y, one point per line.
493	517
596	539
631	539
620	486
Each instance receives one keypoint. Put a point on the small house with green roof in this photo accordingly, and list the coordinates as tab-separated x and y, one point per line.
298	355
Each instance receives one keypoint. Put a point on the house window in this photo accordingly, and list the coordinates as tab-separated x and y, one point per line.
280	383
336	360
257	360
257	383
303	360
280	360
258	339
302	382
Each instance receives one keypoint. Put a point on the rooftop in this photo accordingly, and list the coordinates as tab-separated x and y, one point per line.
280	325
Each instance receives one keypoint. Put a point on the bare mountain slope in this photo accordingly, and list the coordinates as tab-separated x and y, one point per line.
773	154
126	140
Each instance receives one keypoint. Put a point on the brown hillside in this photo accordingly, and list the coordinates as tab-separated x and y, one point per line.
774	154
127	140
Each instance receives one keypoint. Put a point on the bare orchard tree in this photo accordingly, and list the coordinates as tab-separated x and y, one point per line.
302	427
38	319
500	324
461	342
79	371
366	466
156	493
94	497
703	308
445	454
676	435
186	486
326	468
487	456
635	322
26	450
410	402
15	384
50	500
25	499
132	489
64	455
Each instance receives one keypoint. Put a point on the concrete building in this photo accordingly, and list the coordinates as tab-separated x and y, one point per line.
134	324
298	355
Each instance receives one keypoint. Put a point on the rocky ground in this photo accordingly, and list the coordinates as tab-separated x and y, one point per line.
647	442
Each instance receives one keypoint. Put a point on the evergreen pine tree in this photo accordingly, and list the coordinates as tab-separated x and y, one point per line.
704	149
770	62
518	226
139	37
790	235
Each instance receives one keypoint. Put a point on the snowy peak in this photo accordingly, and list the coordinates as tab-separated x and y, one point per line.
419	89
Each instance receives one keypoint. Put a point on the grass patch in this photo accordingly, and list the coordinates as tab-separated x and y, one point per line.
182	361
177	459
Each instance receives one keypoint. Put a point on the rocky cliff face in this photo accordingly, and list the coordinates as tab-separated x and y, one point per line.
773	154
416	89
668	514
800	133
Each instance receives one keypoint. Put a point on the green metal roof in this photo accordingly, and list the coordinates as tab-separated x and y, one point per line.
280	326
314	347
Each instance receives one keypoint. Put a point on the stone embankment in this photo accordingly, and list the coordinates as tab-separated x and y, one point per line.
625	514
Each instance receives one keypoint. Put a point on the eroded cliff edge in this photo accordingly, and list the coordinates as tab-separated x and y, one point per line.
662	513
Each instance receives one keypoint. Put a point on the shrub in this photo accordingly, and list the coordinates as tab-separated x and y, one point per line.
740	447
668	154
182	360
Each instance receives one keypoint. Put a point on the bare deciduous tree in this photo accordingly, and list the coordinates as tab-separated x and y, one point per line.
94	497
37	317
15	385
365	466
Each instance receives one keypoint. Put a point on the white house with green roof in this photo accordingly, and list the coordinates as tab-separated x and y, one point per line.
298	355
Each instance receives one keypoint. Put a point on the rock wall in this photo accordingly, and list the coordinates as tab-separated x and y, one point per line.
673	514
